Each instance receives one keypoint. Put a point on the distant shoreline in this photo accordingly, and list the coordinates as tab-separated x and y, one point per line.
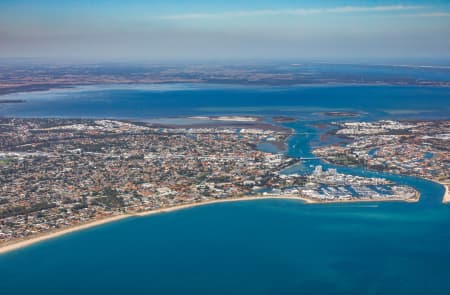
49	87
16	245
12	100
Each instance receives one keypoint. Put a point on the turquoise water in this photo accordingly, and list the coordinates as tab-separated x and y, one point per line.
256	247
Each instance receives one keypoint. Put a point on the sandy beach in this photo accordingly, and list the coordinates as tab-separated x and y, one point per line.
15	245
235	199
446	198
228	118
446	185
57	233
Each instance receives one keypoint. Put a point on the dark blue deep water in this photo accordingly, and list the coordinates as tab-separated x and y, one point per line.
255	247
191	99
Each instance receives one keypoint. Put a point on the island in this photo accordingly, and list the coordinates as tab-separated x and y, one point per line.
283	119
228	118
341	114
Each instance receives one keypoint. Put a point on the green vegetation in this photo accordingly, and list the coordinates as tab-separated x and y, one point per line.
21	210
136	195
109	202
347	161
110	199
5	161
77	207
300	181
110	192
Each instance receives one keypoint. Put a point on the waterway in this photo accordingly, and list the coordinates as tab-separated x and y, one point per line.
256	247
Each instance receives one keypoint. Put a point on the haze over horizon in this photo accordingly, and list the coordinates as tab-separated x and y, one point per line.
208	30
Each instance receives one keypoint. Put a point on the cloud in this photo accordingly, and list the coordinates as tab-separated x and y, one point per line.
296	11
430	14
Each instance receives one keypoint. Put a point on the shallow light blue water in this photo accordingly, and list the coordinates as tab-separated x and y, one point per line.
257	247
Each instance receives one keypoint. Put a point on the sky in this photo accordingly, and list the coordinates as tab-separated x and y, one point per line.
212	29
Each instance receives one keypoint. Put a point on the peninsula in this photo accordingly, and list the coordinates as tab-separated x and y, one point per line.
62	175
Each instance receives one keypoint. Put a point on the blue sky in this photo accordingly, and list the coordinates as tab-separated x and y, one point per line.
169	29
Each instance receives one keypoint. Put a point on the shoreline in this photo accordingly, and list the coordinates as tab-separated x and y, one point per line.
218	201
13	246
19	244
9	247
446	197
45	87
446	185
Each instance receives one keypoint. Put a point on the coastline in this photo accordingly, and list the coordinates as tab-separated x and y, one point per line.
19	244
9	247
226	200
446	185
324	202
57	233
446	197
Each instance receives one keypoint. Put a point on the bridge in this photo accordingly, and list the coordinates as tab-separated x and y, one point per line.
315	158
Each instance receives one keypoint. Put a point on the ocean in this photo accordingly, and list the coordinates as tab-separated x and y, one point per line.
251	247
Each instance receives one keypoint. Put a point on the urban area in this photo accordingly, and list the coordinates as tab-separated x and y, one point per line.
59	173
416	148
